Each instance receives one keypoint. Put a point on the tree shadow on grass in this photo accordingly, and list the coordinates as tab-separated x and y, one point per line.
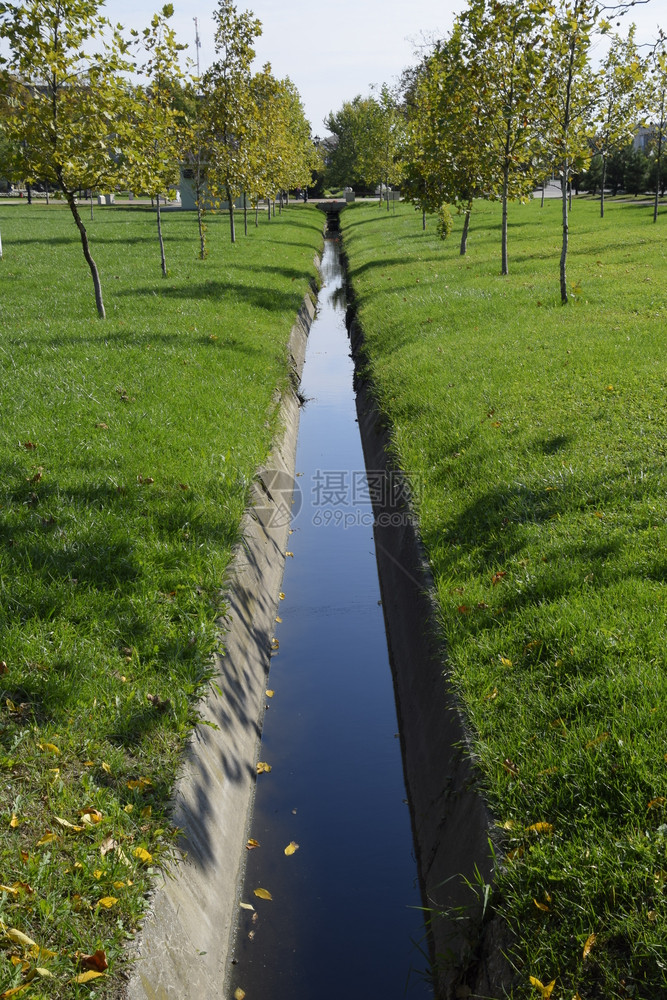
268	299
489	533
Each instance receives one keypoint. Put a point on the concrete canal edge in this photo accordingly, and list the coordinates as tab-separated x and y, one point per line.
184	949
452	827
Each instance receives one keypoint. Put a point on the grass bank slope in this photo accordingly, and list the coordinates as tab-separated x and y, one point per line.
126	450
535	436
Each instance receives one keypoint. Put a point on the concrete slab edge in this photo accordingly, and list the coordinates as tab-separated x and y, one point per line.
452	825
184	948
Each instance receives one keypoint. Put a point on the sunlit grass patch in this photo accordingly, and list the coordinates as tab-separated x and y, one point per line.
537	434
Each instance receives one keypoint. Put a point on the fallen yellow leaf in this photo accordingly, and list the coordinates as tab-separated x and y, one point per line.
541	906
247	906
239	994
590	941
540	828
545	990
143	855
147	811
68	825
505	662
279	619
281	596
263	767
90	816
251	844
269	693
291	848
106	767
44	973
15	990
263	893
107	902
20	938
14	821
9	889
85	977
128	808
51	747
47	838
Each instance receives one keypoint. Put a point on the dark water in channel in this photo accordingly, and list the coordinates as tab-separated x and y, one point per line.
344	919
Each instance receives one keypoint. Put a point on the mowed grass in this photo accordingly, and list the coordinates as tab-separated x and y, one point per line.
536	439
126	451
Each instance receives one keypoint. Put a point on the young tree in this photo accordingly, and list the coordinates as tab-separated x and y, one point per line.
500	47
656	108
569	98
446	149
229	106
74	119
152	159
620	101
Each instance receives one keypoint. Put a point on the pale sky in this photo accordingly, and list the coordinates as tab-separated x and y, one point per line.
332	52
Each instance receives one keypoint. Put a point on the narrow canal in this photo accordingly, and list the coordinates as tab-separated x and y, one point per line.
344	916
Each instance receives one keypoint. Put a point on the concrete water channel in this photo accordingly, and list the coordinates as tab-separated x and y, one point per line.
344	917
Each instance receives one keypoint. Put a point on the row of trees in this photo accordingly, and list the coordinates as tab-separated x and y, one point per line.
506	99
84	107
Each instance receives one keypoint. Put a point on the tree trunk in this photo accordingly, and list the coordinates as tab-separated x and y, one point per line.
256	213
163	261
245	214
506	180
464	234
280	203
602	183
386	184
659	157
91	206
563	253
423	219
230	202
569	194
202	231
544	187
86	253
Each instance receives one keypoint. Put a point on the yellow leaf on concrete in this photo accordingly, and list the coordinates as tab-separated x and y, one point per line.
279	619
143	855
251	844
239	994
269	693
247	906
281	596
263	767
291	848
263	893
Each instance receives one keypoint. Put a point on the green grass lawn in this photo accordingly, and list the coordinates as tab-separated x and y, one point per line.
536	437
126	450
